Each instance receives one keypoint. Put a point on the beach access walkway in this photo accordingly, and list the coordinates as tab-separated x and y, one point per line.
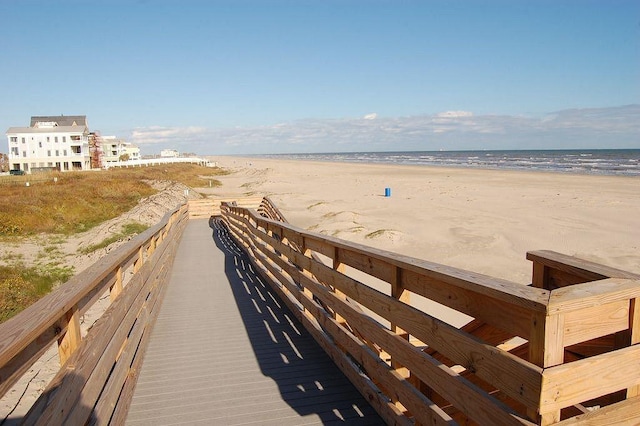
225	350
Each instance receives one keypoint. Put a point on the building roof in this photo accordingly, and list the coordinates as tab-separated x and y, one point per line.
58	129
62	120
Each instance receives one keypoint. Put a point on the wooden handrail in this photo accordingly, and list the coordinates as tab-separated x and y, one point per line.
553	270
456	374
87	362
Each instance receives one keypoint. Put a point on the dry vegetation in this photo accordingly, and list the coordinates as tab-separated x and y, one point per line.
67	203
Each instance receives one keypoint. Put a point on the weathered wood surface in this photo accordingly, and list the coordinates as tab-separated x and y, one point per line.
204	208
77	393
579	323
553	270
225	350
576	330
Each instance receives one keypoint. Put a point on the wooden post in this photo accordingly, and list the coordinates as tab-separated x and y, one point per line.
546	349
69	342
139	260
634	330
398	292
338	267
307	273
285	241
116	288
152	246
540	276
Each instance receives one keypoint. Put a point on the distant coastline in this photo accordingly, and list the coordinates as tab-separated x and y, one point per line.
611	162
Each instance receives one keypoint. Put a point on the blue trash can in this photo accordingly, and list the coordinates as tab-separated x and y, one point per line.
387	192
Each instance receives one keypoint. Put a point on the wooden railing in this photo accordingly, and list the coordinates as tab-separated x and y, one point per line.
565	350
98	369
207	207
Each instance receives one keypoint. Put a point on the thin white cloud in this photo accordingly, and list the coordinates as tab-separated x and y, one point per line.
454	114
577	128
159	134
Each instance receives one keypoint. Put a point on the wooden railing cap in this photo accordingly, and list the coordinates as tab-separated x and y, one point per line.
593	293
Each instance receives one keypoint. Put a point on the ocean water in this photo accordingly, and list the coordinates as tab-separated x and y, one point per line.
623	162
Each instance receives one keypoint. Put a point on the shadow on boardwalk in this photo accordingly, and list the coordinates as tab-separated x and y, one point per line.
307	379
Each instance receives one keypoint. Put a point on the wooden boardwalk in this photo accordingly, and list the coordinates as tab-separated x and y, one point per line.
226	351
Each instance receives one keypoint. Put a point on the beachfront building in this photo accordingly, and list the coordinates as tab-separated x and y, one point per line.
115	149
50	142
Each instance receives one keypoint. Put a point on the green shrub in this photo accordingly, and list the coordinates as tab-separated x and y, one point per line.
21	286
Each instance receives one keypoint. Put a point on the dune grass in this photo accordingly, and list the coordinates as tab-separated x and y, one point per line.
61	204
72	202
21	285
128	229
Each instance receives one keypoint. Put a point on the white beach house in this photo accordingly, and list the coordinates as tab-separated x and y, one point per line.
115	149
60	142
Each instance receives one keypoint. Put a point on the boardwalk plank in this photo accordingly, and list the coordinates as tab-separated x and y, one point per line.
224	351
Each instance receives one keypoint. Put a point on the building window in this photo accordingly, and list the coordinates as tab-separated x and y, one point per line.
49	153
14	150
57	153
75	137
23	141
24	153
64	139
39	144
76	149
64	152
48	140
14	139
55	139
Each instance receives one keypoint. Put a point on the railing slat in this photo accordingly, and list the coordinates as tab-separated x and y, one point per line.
574	382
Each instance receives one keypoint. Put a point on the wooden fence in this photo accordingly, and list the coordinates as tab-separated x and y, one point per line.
562	351
98	370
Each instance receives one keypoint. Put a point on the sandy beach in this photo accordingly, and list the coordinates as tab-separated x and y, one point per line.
480	220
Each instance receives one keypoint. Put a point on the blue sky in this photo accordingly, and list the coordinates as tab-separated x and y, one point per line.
238	77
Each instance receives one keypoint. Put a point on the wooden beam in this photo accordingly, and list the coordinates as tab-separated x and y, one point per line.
582	269
621	413
595	293
580	381
595	321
